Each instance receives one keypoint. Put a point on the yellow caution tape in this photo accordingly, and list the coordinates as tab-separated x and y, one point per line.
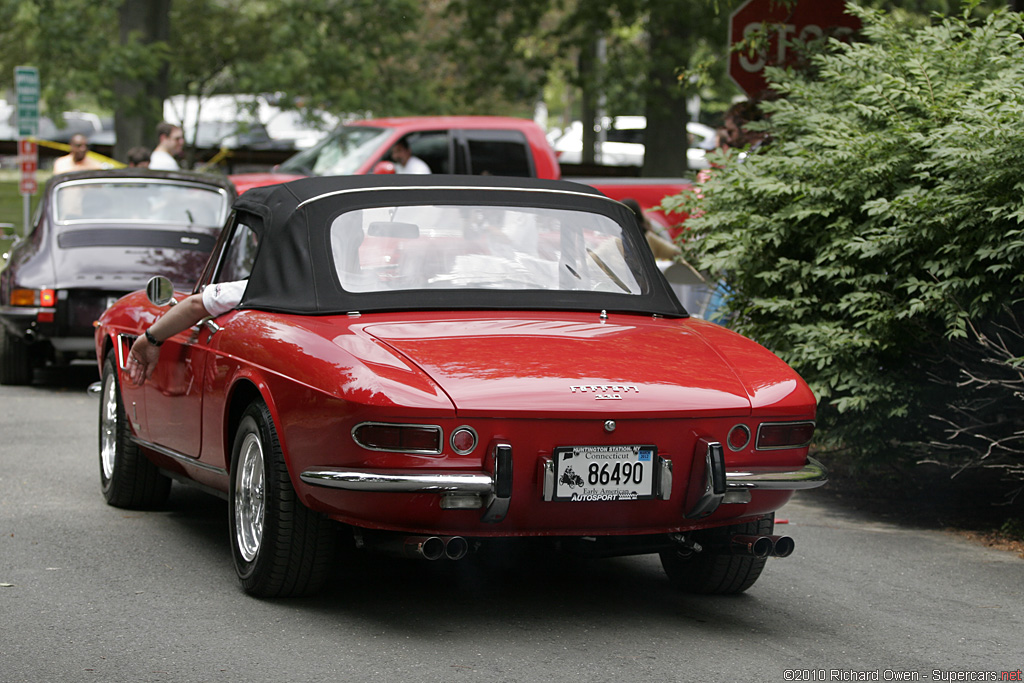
220	156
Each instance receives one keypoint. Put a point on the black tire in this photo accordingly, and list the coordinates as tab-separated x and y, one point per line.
280	547
15	364
715	570
127	477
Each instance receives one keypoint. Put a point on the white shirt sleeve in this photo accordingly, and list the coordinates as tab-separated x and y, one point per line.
222	297
415	166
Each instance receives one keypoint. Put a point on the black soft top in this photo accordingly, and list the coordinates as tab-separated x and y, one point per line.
293	273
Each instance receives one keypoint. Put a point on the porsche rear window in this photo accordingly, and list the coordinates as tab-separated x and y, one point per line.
483	247
140	201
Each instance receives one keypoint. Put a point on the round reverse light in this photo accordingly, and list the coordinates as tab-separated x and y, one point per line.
739	437
463	440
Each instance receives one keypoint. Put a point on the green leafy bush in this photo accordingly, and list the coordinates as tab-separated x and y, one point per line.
876	242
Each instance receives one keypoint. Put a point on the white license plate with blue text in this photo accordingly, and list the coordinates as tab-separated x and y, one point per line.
604	473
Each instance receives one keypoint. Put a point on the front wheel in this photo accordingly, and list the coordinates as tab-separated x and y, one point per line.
127	477
280	547
715	570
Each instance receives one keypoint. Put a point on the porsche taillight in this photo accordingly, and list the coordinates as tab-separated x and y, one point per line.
399	438
772	436
47	298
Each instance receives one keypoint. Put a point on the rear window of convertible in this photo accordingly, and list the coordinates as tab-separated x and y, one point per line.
482	247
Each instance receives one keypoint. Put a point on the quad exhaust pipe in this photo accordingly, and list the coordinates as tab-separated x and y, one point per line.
762	546
420	547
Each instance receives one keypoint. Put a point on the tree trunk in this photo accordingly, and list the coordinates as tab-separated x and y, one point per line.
588	101
665	141
140	102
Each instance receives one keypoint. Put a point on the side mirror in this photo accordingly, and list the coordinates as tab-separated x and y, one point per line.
160	291
7	229
384	167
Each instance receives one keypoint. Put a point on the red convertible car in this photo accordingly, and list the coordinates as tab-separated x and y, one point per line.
423	365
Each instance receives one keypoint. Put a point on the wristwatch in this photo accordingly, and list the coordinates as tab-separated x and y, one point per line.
151	339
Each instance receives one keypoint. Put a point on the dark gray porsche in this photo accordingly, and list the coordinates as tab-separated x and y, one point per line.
98	235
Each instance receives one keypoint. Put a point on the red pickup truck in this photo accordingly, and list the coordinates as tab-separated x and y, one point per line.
473	145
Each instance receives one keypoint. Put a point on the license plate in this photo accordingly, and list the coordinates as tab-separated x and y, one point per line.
603	473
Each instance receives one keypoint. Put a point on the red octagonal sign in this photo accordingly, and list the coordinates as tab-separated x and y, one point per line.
803	20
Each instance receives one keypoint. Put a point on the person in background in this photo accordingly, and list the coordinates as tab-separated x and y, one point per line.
736	121
171	141
138	157
406	161
78	159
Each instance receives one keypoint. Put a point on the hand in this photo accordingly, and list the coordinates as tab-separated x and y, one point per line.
142	360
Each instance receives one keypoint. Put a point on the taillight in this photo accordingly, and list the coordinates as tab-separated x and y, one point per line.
775	435
400	438
46	298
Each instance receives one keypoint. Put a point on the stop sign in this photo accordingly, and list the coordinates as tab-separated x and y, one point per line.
805	20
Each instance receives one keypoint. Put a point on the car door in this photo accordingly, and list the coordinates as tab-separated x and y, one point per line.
494	152
175	394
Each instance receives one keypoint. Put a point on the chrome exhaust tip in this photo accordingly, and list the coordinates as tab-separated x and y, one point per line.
782	546
427	547
455	547
758	546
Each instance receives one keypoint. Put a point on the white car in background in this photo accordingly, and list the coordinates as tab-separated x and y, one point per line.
624	142
228	120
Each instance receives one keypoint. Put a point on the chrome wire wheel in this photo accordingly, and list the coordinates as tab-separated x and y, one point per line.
280	547
128	478
108	427
249	499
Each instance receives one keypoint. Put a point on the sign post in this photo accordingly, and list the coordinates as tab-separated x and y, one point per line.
26	84
805	20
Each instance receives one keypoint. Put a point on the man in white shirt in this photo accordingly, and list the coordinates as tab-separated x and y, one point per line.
405	161
171	141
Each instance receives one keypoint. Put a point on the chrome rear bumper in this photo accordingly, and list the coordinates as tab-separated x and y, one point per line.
811	475
395	482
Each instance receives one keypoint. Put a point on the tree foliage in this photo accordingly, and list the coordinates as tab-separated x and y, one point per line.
57	36
346	56
876	242
515	46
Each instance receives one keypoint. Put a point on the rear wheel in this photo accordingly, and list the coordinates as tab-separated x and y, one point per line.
128	478
15	366
715	570
280	547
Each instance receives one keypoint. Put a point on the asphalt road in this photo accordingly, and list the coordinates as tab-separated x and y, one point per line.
93	593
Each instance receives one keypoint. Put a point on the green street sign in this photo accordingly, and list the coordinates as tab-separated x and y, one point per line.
26	85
